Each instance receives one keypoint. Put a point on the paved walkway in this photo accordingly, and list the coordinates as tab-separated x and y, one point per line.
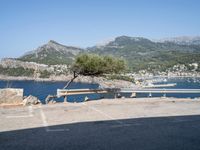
120	124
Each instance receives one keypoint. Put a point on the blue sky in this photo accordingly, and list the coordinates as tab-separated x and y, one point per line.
27	24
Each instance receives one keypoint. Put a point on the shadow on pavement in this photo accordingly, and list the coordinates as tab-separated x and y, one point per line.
160	133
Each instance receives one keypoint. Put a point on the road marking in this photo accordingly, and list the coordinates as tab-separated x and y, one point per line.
46	125
119	123
18	116
30	110
44	120
30	114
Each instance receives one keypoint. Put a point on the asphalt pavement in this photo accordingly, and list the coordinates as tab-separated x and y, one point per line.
124	124
152	133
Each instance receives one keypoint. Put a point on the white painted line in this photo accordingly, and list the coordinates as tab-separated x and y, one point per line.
30	110
44	120
46	125
18	116
30	114
120	123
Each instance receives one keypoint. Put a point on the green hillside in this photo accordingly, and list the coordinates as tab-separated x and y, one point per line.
52	53
142	53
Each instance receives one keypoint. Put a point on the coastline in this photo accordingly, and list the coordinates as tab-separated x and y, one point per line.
103	82
24	78
66	78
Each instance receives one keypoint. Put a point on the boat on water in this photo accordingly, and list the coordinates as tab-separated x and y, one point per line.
151	85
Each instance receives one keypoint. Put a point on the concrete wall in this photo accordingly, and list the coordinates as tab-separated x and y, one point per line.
11	95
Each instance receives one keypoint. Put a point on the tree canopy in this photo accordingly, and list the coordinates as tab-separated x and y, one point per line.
96	65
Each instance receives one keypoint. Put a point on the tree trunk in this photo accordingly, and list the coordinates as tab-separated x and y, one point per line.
70	81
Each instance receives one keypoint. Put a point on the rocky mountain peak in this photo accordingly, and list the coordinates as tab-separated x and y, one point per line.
182	40
53	43
52	53
126	40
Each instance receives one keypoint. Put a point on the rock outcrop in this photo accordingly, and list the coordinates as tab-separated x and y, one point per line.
105	83
31	100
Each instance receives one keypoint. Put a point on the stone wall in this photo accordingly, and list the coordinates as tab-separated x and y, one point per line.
11	96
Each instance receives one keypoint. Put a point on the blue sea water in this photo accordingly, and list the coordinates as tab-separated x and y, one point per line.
181	83
42	89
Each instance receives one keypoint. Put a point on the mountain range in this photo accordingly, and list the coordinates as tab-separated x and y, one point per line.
182	40
140	53
52	53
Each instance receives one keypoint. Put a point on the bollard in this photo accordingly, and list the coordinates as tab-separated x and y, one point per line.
86	99
65	99
150	95
133	95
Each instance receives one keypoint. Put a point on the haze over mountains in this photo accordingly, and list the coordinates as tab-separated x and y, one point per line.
140	53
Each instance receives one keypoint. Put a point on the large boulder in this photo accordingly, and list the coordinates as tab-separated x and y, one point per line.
11	96
31	100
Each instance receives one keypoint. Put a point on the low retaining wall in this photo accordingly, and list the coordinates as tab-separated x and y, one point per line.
11	96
